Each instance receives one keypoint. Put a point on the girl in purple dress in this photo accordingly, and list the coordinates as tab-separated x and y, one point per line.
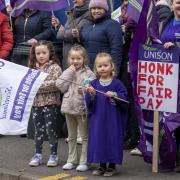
106	117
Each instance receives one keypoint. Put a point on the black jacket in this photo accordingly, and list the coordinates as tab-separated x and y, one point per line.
35	24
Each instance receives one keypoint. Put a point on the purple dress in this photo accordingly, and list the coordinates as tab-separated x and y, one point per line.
106	124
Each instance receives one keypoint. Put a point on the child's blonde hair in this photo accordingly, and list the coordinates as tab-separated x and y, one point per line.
107	56
83	52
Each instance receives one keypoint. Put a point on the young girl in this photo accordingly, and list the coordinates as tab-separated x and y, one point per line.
106	118
45	107
73	104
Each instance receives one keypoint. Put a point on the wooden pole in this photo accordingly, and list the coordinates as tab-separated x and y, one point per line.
155	159
114	97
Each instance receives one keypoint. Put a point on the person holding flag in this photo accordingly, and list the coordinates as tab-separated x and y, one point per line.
170	36
77	17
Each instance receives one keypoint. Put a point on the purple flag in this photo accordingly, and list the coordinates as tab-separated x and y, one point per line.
42	5
2	5
134	8
146	32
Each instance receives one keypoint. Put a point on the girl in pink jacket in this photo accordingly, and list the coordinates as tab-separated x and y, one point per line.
73	105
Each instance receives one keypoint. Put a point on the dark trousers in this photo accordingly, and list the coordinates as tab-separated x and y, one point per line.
44	119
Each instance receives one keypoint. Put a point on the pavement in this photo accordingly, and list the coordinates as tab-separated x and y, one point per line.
15	153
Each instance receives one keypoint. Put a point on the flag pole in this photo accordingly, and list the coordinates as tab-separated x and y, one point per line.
69	4
114	97
52	12
155	157
111	5
10	20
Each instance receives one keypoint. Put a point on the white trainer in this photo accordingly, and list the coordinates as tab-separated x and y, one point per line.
53	161
136	152
82	167
69	166
36	160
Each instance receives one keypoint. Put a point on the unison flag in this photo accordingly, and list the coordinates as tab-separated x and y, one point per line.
42	5
18	87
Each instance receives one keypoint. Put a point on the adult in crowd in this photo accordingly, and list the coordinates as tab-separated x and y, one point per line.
29	27
170	36
102	34
77	17
163	9
132	131
6	37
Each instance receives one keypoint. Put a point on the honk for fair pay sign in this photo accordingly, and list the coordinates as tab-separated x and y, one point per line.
157	78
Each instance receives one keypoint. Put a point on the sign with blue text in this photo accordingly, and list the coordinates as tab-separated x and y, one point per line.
18	87
157	78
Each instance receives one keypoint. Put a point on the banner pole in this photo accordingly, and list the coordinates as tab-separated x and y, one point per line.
155	158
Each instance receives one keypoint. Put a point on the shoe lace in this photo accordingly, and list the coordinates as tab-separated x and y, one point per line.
36	157
53	158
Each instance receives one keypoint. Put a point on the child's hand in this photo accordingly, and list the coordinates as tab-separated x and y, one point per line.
90	89
109	94
72	67
80	90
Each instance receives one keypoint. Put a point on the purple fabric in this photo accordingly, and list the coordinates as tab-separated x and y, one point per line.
42	5
168	123
170	33
2	5
145	117
132	10
106	124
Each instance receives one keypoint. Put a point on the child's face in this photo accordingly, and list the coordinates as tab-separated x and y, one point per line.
42	54
75	58
104	67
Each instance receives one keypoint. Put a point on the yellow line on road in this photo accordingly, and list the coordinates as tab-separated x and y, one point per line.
76	178
56	177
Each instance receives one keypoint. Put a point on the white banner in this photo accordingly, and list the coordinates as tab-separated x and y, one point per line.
157	79
18	87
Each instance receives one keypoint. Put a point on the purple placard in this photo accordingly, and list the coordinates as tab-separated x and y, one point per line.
158	53
23	94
